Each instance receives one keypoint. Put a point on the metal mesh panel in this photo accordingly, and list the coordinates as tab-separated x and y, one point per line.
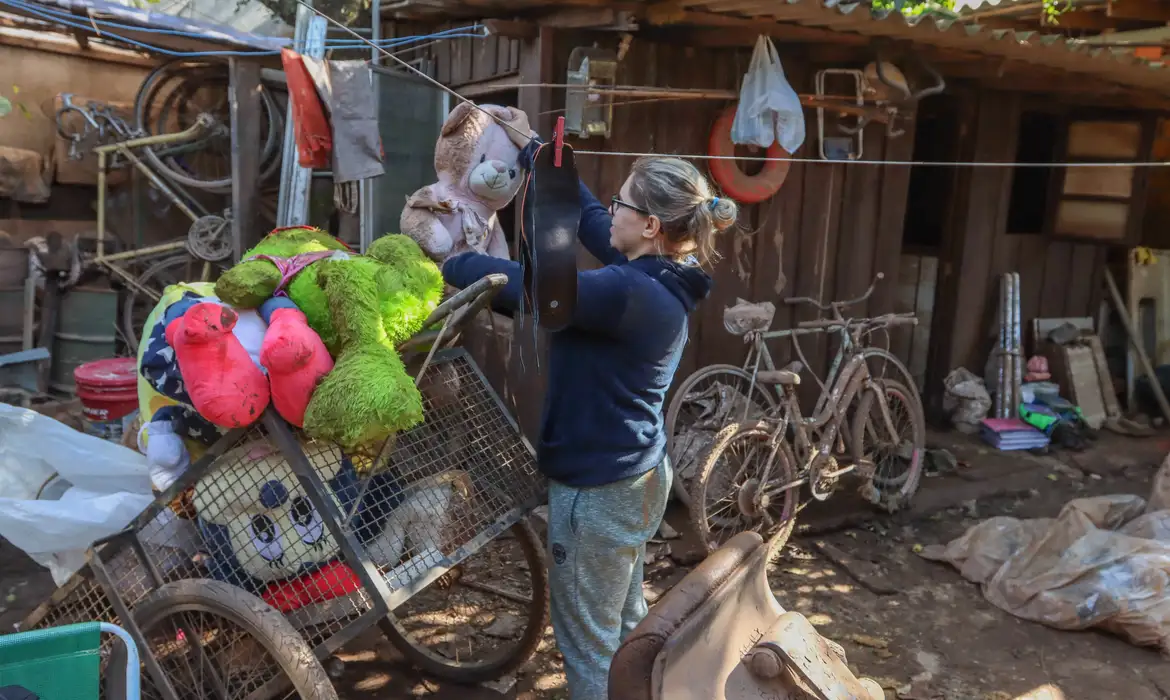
451	484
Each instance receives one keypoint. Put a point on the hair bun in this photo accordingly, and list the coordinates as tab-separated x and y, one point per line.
724	212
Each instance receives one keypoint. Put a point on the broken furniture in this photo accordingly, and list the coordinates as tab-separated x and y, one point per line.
720	634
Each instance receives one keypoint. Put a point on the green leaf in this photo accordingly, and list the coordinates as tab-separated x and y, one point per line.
5	106
24	110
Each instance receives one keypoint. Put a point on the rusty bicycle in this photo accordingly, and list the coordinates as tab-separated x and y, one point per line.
864	421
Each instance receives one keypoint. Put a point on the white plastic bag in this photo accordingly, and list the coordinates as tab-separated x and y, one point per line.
111	486
769	109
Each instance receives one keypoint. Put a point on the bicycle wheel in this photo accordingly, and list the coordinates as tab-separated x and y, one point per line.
897	459
137	305
703	404
730	493
213	640
428	629
210	158
171	97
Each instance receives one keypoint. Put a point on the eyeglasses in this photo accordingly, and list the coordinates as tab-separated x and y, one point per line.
618	202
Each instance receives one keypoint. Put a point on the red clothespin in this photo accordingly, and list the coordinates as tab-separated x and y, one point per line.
558	141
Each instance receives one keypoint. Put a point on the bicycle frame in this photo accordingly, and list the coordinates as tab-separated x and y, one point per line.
123	148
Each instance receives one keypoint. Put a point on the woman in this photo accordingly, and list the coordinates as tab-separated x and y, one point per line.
602	444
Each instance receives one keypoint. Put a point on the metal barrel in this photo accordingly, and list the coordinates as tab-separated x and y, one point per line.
85	332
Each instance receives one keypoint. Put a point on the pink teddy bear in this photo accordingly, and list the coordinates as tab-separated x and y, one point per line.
475	159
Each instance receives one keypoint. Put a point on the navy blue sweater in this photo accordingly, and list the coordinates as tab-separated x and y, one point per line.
609	371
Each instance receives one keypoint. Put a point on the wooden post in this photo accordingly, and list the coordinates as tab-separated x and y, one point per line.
245	129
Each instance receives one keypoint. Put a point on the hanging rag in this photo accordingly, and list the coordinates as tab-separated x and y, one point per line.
311	127
348	90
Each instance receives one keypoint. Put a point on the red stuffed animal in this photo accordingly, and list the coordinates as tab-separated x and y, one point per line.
225	386
294	356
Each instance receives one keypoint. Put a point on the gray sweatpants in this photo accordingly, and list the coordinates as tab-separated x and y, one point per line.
597	547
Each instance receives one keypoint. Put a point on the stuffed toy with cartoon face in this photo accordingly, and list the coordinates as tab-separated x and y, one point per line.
475	160
256	519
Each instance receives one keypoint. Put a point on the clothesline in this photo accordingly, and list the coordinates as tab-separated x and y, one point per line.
922	163
692	156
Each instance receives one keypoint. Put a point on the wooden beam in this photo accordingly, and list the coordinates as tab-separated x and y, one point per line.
1143	10
487	87
582	18
715	30
512	29
68	47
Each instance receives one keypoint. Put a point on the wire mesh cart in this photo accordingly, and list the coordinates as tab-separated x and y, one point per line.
273	551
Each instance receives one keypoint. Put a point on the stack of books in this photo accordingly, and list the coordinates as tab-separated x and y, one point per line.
1011	434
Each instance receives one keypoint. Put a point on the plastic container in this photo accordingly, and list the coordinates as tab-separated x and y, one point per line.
108	390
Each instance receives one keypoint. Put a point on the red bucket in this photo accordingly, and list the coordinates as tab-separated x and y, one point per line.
108	390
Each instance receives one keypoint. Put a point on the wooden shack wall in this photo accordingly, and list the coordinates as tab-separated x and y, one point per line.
825	234
1058	278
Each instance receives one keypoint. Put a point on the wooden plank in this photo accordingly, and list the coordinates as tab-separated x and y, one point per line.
891	219
442	55
905	300
924	310
505	48
483	62
858	230
1080	291
1031	268
996	118
818	232
512	29
1057	259
461	53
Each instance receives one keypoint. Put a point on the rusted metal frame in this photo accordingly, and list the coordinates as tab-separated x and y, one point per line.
126	617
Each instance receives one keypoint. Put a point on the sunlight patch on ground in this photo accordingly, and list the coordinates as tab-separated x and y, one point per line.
372	682
550	681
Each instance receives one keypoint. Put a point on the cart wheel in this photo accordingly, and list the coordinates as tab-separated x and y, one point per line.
478	621
245	648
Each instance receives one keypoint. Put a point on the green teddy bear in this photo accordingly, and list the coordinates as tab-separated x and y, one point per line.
362	307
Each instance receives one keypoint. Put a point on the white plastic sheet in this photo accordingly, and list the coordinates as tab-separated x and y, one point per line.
111	486
769	109
1102	562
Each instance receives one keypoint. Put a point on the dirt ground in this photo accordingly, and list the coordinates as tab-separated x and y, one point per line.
859	580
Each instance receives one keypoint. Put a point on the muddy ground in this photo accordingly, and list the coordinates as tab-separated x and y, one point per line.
859	580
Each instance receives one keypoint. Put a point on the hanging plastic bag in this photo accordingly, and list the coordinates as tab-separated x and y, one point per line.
769	110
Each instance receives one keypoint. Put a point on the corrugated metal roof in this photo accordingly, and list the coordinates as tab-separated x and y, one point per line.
1117	65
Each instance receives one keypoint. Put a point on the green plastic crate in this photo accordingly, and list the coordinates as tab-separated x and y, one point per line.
62	663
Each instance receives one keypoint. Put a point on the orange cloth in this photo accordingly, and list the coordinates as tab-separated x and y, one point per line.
311	126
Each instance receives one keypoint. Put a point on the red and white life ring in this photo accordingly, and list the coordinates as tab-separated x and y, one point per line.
735	183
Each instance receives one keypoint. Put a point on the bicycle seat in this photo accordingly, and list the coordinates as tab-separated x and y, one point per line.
783	377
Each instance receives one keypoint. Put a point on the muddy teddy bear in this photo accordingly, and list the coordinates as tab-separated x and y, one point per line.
475	160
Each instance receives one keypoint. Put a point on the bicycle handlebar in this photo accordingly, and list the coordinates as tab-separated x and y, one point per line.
837	305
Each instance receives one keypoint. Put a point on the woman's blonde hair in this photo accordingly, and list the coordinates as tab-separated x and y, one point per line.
691	212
